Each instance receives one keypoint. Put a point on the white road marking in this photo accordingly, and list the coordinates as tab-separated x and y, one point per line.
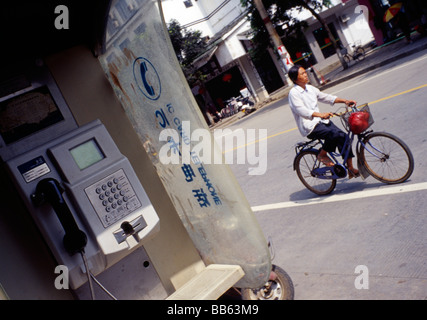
343	197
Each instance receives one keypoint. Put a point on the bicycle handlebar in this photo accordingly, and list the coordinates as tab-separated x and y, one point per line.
352	108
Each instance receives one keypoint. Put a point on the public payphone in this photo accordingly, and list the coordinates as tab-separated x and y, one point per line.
81	191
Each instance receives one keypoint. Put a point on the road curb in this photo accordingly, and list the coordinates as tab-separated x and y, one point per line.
373	67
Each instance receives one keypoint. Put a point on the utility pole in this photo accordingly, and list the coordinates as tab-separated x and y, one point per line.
284	55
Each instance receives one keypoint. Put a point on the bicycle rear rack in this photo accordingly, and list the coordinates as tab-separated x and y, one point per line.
304	145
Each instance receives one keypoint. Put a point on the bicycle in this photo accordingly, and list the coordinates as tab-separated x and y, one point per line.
379	154
358	53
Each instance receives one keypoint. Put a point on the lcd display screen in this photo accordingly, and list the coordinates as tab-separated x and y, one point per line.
87	154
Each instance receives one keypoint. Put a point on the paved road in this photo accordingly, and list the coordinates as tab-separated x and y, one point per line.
321	241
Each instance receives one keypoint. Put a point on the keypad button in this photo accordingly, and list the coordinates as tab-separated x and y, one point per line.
111	196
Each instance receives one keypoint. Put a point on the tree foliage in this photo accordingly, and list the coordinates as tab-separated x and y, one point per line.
188	45
285	23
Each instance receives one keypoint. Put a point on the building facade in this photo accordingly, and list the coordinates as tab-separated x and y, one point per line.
228	66
414	12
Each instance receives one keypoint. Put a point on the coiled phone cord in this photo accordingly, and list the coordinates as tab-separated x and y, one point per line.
102	287
90	276
75	240
92	292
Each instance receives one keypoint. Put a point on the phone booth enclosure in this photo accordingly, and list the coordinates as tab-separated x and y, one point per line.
143	70
133	114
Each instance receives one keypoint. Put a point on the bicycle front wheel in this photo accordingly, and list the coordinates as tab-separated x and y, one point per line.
360	54
387	158
305	163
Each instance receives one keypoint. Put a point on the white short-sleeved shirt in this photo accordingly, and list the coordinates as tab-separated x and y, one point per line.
303	103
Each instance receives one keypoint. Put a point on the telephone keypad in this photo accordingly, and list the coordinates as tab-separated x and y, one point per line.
113	198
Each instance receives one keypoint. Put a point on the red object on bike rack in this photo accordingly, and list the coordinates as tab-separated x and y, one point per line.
358	122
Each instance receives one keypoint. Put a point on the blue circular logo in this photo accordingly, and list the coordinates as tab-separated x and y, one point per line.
147	78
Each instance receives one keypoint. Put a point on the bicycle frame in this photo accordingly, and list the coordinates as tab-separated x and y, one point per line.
381	155
339	170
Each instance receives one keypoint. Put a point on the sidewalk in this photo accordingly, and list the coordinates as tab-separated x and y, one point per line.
375	58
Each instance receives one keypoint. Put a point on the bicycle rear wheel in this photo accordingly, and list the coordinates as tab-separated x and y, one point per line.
387	158
347	58
305	163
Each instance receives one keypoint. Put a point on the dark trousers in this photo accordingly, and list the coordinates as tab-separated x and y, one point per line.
333	137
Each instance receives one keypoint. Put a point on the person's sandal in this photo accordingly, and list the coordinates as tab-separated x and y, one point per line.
326	161
352	174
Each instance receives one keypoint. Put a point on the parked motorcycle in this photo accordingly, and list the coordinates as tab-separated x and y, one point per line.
278	287
230	109
237	104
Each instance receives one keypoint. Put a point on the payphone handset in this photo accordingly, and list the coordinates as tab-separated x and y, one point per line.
79	185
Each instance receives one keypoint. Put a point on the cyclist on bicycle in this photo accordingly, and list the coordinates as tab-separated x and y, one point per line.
313	124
